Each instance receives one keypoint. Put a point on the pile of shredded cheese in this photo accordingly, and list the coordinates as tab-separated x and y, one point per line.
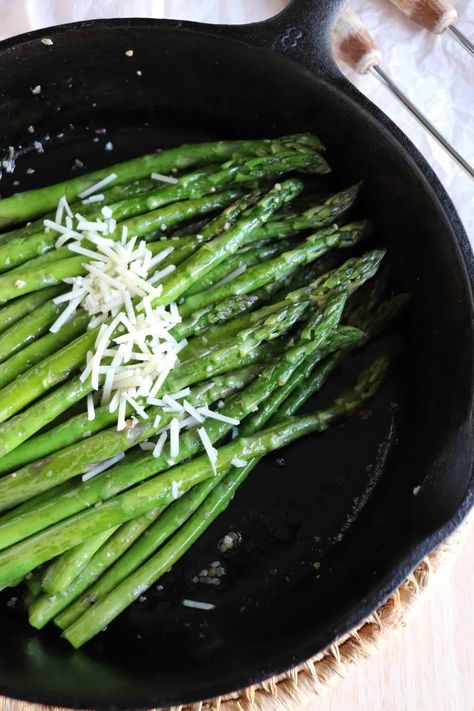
135	350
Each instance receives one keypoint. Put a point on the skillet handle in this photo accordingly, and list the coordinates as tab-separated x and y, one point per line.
302	32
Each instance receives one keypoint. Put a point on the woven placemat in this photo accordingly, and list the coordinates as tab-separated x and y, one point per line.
298	686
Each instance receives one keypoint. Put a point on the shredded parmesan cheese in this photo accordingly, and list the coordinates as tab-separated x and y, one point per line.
102	466
164	178
97	186
198	605
209	449
239	463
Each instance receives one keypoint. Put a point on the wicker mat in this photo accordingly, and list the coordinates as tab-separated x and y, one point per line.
298	686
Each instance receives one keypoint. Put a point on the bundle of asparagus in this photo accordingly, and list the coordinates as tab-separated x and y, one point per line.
143	379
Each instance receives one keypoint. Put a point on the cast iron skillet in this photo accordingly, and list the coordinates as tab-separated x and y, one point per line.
345	500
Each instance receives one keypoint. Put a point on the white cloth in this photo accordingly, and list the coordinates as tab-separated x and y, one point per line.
434	71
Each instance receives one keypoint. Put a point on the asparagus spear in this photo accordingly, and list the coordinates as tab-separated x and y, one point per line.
237	264
76	459
45	375
27	329
19	308
93	210
62	571
45	607
22	206
282	226
106	609
41	348
200	183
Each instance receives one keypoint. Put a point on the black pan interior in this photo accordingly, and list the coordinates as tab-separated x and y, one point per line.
343	501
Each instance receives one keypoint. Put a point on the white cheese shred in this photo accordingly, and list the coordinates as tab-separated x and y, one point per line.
198	605
99	468
209	449
97	186
90	407
239	463
164	178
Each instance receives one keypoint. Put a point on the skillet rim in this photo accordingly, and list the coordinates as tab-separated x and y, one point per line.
426	542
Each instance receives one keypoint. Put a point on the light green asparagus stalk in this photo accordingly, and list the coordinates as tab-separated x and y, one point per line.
44	376
62	571
28	329
19	308
93	210
45	607
40	349
237	264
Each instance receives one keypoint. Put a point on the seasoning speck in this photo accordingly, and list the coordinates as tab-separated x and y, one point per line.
36	89
30	171
316	565
31	129
78	163
139	72
280	462
47	41
129	52
229	541
12	602
365	414
109	146
38	146
416	490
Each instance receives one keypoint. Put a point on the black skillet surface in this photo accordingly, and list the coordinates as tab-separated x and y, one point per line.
343	501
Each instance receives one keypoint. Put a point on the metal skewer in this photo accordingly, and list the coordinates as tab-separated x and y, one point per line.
354	46
460	39
437	16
